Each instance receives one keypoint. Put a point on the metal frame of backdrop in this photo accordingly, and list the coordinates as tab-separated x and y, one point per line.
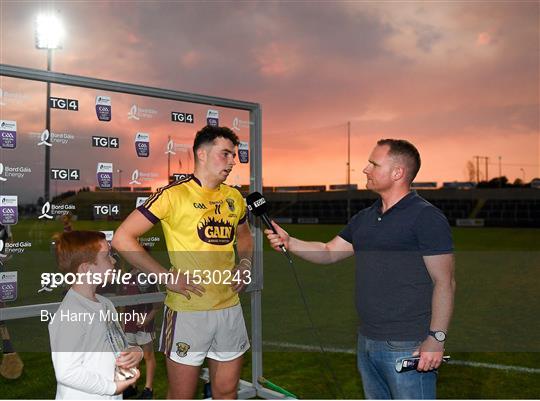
246	389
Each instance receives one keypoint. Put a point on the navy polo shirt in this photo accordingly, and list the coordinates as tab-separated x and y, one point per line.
393	286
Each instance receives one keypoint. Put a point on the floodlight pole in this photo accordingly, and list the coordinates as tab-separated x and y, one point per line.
48	36
486	160
119	179
348	171
48	128
500	172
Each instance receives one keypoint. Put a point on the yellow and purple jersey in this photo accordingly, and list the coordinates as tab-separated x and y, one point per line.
199	225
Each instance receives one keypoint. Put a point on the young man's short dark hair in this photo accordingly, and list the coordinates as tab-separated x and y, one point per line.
406	150
209	133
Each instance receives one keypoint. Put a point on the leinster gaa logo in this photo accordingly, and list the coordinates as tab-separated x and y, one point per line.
230	204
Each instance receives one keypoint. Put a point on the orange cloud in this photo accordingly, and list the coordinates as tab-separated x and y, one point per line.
191	59
277	59
483	39
456	78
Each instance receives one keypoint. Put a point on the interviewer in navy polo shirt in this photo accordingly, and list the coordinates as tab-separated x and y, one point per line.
404	275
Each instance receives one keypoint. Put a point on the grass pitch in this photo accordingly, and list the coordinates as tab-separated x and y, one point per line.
495	319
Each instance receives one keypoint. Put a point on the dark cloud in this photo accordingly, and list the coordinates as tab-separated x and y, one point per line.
427	37
313	64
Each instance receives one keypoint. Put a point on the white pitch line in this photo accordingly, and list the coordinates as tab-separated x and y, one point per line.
312	348
309	348
473	364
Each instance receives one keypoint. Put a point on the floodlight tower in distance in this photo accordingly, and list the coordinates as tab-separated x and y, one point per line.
49	36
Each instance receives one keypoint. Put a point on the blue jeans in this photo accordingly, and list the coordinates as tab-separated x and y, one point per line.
376	364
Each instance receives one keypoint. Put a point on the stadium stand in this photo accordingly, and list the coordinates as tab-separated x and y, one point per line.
494	207
497	207
516	213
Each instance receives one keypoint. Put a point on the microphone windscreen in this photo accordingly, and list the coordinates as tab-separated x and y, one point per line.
256	204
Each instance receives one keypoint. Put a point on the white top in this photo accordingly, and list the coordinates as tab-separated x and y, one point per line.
83	360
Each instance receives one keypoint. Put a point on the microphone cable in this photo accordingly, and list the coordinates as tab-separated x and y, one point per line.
257	204
315	331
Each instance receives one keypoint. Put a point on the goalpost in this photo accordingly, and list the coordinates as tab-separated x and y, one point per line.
247	389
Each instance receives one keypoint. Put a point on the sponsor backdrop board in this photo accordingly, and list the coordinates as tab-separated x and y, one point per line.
108	151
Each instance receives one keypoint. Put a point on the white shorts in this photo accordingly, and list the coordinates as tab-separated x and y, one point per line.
139	338
190	337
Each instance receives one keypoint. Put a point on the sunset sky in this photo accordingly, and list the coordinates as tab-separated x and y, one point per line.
458	79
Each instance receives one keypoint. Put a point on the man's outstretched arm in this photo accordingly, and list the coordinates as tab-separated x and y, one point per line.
316	252
126	242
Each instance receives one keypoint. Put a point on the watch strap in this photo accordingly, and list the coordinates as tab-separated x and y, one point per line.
433	334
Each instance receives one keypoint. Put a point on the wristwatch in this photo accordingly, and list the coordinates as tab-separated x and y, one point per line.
440	336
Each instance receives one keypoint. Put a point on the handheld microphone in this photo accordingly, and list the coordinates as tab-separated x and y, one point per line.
257	205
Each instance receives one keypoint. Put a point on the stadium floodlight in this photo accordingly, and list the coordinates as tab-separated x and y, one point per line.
49	31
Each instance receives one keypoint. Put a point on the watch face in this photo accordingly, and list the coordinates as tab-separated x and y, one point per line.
440	336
